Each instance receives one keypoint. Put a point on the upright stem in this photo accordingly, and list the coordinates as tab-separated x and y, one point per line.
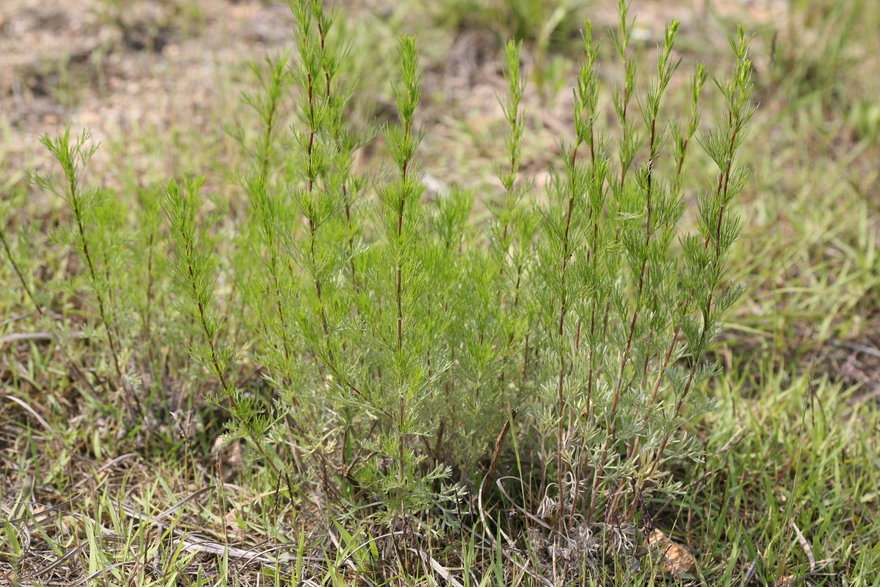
19	273
103	312
560	473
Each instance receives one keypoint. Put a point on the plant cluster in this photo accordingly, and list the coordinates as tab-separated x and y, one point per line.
375	347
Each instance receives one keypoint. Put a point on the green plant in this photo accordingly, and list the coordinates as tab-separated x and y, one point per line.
98	235
400	348
11	244
613	310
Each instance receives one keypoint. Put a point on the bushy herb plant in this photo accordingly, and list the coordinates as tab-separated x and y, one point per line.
377	348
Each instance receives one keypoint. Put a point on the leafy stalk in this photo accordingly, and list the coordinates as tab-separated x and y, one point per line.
97	236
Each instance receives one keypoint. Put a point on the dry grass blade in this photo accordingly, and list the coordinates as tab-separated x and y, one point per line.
105	467
437	567
198	545
36	416
132	512
808	550
16	319
482	511
19	336
96	574
512	545
61	560
38	336
230	551
179	504
753	568
349	563
529	515
258	556
38	516
858	347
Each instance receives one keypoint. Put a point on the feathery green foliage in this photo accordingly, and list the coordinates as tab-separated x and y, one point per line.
406	357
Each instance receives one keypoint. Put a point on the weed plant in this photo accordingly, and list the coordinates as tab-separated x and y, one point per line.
384	356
